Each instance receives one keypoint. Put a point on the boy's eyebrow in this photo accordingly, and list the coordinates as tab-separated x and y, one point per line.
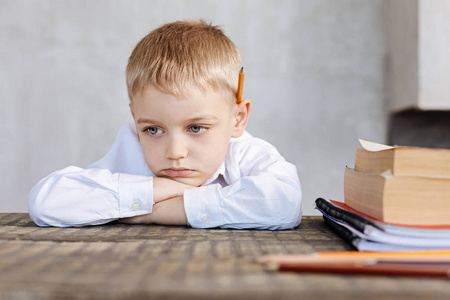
145	120
192	120
203	117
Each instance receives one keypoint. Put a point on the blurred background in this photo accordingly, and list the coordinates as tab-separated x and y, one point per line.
320	73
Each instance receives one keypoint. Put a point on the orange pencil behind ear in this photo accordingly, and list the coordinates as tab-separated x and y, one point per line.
240	85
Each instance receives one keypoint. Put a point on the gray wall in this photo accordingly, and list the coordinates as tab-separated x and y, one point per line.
314	71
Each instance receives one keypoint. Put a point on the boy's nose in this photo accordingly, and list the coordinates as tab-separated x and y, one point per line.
176	149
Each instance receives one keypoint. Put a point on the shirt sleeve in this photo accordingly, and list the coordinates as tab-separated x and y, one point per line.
265	192
80	197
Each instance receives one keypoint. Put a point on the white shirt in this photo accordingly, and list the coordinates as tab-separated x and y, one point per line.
253	188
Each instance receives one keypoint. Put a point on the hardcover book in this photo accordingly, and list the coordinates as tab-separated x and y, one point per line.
402	161
410	200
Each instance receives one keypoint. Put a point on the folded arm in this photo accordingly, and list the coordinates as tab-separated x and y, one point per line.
80	197
252	202
167	212
265	194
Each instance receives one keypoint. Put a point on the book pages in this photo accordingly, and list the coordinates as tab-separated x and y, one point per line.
371	146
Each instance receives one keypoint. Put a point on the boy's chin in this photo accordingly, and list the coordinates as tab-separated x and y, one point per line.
189	181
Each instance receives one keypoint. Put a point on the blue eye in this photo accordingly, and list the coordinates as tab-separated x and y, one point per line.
153	130
197	128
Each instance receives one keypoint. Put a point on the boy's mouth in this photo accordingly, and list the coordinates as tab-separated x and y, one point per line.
178	172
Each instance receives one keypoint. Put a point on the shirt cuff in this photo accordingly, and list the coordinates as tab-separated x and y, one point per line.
202	206
135	195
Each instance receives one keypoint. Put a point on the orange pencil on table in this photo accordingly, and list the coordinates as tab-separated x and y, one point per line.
355	256
414	263
240	85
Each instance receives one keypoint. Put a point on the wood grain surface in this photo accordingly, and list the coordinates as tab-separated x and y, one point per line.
119	261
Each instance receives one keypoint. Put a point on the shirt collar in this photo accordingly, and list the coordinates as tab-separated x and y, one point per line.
220	172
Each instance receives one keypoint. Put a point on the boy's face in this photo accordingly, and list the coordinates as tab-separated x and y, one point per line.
186	139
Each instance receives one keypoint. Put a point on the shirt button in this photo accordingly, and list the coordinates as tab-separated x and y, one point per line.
204	218
136	205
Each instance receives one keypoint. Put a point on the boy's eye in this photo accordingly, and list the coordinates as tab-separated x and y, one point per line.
197	128
153	130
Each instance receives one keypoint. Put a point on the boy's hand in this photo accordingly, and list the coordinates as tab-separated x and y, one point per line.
164	188
169	204
168	212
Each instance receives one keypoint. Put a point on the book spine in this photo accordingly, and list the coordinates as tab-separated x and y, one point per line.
342	232
357	221
364	192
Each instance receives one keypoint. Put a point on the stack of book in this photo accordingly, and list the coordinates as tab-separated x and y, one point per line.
396	213
396	199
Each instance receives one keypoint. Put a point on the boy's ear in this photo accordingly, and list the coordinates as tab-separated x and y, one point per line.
242	113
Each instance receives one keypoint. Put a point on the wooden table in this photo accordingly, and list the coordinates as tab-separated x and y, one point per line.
167	262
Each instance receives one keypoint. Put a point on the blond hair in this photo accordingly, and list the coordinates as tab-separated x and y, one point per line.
182	55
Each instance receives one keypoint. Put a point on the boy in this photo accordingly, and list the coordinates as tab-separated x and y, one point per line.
187	159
